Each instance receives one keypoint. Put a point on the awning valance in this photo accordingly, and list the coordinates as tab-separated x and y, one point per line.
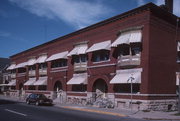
3	85
41	59
78	79
80	49
30	82
106	45
178	46
21	65
41	81
124	77
11	67
62	55
128	37
31	61
177	78
12	83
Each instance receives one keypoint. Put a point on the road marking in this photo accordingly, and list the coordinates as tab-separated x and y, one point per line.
22	114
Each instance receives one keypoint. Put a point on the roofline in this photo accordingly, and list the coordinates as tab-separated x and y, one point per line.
147	6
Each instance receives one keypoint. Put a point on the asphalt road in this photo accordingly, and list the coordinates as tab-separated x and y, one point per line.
15	111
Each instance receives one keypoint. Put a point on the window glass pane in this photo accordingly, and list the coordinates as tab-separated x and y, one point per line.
83	58
135	50
100	56
124	51
59	63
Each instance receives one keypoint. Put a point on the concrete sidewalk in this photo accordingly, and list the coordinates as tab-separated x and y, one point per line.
152	115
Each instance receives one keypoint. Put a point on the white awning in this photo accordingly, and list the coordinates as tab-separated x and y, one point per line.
124	77
80	49
106	45
128	37
3	85
62	55
21	65
78	79
178	46
11	67
30	81
31	62
41	59
12	83
122	39
177	78
41	81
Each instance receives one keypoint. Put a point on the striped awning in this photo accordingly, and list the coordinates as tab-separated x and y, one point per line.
106	45
128	37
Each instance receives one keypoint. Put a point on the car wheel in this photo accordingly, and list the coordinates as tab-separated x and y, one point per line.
28	102
37	103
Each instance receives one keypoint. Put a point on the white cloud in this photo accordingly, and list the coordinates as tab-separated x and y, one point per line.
76	12
159	2
4	34
140	2
176	9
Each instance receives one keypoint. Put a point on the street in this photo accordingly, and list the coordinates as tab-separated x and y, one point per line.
16	111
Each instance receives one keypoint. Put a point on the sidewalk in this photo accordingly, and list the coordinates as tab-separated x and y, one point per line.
152	115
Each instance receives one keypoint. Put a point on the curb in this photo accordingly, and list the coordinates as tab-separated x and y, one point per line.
159	119
94	111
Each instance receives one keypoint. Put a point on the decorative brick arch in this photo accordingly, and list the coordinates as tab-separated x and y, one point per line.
94	80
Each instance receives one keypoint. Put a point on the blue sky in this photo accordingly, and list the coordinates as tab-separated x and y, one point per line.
28	23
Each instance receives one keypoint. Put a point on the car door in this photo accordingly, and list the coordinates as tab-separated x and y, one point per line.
33	98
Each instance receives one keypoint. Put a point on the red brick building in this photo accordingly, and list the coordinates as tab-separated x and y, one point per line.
128	58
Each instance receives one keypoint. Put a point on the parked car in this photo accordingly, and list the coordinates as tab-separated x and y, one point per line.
38	99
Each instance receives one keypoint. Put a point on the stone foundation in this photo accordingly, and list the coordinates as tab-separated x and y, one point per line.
80	100
155	105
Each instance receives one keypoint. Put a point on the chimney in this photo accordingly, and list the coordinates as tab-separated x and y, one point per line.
169	5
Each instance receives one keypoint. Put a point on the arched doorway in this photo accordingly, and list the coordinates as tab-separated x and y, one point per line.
100	88
57	86
20	89
57	89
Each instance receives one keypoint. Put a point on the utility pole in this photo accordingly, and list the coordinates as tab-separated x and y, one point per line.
131	79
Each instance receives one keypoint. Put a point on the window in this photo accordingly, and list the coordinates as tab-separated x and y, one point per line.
100	56
124	50
42	87
13	71
31	87
178	56
21	70
59	63
43	66
80	58
135	50
32	67
79	88
126	88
